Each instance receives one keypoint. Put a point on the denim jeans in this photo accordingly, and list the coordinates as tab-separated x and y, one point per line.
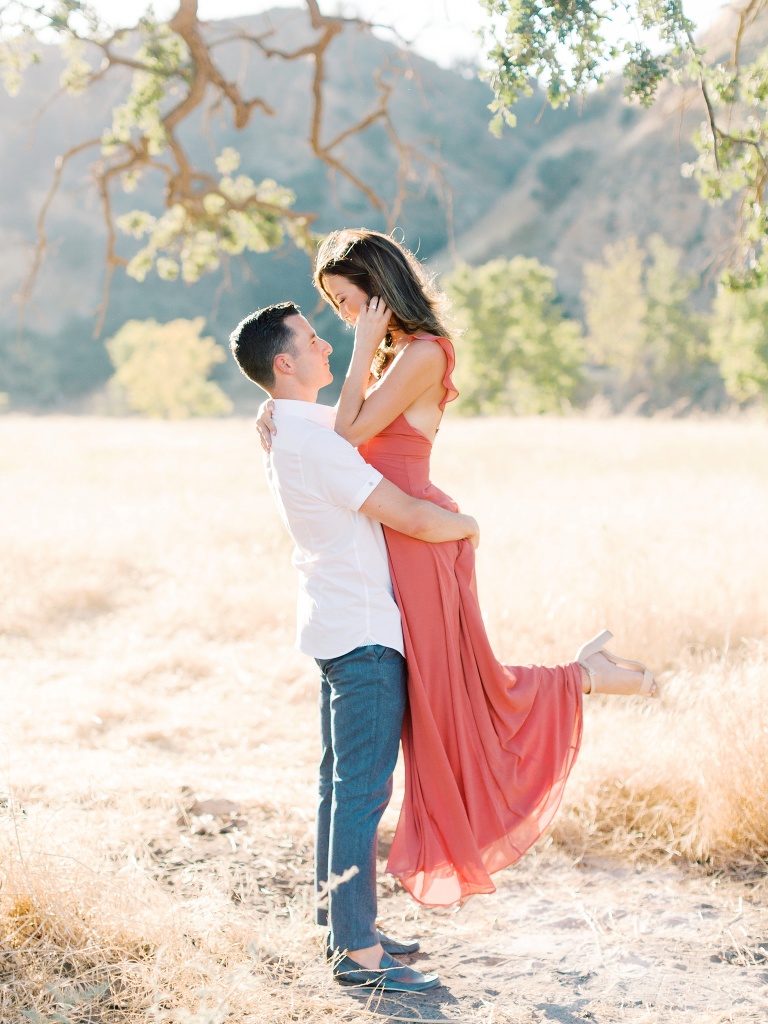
362	701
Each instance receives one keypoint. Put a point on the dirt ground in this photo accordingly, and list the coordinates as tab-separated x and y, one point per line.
146	666
572	942
561	940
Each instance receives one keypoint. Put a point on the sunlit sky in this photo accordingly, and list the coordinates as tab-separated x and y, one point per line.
442	30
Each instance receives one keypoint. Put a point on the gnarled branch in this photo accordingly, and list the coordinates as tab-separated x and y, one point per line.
202	81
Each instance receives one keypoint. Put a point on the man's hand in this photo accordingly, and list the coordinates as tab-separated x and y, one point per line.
474	537
266	425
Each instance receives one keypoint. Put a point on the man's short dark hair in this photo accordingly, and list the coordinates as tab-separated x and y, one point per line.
259	338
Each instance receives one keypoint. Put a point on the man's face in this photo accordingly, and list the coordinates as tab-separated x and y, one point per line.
312	369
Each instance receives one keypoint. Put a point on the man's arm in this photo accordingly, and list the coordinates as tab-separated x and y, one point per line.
416	518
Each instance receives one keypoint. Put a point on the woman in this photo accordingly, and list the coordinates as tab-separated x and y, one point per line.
488	748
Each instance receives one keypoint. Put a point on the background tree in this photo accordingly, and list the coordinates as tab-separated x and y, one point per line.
642	327
167	76
209	212
569	46
162	370
615	309
740	342
212	212
518	353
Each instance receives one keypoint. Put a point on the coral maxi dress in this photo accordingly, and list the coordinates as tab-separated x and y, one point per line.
488	747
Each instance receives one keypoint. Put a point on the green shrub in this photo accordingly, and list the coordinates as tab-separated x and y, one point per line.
161	370
643	331
519	354
740	342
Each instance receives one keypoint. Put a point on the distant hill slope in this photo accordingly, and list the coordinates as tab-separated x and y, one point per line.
440	112
558	187
615	171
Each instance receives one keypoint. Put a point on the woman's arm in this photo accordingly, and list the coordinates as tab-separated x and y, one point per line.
418	367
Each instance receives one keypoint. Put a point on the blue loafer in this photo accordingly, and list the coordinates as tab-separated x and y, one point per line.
391	976
391	946
395	948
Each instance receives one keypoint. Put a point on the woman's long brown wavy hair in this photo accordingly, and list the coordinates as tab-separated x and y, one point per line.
379	265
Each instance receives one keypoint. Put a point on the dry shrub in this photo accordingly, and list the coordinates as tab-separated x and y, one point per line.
736	805
684	780
88	937
69	946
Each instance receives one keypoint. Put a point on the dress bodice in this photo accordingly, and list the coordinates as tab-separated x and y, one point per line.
401	453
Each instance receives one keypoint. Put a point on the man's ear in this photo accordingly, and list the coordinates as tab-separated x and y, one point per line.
283	363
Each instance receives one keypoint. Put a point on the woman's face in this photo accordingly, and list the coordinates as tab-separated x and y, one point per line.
346	296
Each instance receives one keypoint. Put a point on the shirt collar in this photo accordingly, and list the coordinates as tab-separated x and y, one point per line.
325	415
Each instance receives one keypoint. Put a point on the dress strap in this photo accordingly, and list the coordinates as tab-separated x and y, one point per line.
451	391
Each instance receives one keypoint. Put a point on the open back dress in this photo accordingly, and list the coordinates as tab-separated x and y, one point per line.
488	747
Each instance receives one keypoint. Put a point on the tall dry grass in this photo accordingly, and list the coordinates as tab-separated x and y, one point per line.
145	648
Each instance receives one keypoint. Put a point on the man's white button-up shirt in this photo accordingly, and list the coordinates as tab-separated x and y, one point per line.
319	482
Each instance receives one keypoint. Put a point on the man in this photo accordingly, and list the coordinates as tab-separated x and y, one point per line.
333	503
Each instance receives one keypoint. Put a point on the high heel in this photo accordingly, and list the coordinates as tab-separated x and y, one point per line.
597	646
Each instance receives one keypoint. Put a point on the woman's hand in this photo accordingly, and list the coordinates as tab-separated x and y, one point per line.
372	325
266	425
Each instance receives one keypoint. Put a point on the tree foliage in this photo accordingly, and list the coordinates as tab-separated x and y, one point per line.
213	212
640	323
740	342
642	327
518	353
161	370
571	45
209	212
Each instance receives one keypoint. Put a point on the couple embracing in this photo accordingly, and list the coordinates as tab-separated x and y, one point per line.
388	608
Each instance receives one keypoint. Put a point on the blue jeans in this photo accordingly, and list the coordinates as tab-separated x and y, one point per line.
362	701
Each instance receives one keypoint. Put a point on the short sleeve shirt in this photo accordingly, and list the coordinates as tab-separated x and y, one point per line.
319	481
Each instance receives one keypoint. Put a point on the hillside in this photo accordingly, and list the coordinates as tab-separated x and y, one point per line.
558	187
441	113
615	171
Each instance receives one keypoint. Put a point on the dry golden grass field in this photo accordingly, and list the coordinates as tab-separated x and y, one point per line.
158	731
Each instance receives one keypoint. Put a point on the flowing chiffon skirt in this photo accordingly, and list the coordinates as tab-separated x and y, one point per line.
487	747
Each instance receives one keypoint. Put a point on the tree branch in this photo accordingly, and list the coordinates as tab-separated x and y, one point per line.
199	76
24	293
710	109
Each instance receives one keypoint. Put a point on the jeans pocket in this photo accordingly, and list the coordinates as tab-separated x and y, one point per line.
385	653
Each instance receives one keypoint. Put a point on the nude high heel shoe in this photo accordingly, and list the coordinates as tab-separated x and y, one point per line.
596	646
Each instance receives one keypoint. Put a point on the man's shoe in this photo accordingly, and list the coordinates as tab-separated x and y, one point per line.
395	948
391	946
391	976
